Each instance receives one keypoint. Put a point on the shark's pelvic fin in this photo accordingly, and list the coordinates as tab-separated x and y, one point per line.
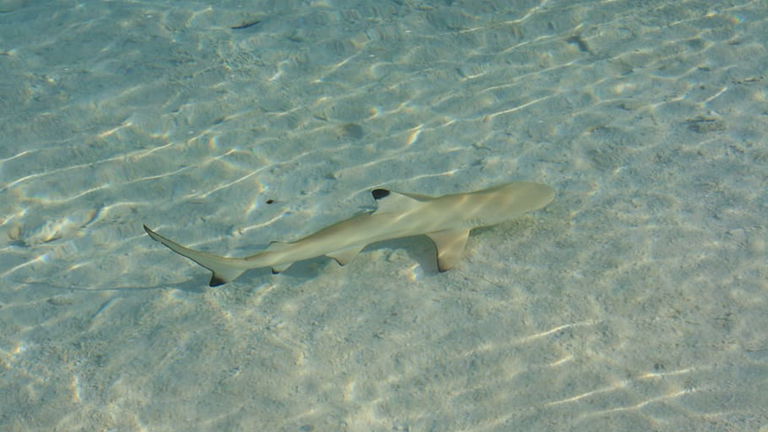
277	246
343	256
281	268
450	247
224	269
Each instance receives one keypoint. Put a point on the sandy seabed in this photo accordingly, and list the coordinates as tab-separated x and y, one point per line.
636	301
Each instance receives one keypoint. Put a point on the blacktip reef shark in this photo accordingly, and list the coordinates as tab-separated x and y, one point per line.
446	220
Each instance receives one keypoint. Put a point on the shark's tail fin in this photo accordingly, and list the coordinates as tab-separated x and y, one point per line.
224	269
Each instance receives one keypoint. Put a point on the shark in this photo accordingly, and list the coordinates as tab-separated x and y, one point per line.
446	219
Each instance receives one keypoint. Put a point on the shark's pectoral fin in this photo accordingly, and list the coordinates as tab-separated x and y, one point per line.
343	256
450	247
224	269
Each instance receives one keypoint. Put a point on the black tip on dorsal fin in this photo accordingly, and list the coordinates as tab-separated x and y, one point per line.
379	193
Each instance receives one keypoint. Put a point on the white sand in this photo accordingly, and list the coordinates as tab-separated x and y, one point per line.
638	300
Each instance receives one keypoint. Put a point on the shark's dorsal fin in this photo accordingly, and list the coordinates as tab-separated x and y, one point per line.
388	201
277	246
450	247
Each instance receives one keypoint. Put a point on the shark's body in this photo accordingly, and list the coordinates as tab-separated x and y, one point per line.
447	220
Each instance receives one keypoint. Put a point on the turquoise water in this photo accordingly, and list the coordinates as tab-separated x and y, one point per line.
637	300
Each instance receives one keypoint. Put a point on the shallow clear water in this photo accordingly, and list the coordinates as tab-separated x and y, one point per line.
637	300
